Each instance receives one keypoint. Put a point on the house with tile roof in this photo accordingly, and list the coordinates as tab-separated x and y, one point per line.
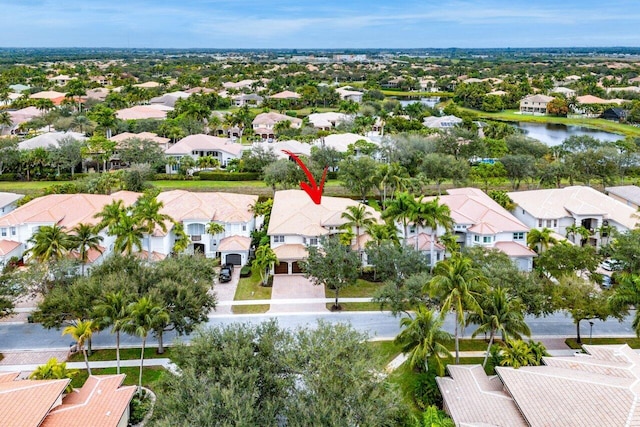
480	221
296	147
49	139
141	112
297	222
535	104
627	194
348	94
327	121
101	402
169	99
558	208
596	388
8	202
199	145
264	123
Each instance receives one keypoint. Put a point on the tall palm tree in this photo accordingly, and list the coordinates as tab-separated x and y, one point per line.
432	214
50	243
357	216
423	337
265	258
147	212
110	215
540	240
84	239
112	310
129	235
457	285
401	209
500	313
572	230
145	315
5	121
81	331
380	233
627	293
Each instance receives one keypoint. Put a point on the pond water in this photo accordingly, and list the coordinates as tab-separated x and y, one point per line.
554	134
429	102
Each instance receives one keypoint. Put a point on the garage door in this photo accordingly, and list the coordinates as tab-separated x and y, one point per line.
235	259
282	268
296	267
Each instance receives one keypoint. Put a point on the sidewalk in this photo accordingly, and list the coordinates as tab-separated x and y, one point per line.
165	363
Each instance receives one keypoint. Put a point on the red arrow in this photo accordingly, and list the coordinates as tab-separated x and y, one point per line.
314	191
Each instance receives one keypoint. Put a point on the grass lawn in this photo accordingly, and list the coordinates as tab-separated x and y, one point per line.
26	187
249	288
362	289
388	92
632	342
471	345
125	354
387	350
150	375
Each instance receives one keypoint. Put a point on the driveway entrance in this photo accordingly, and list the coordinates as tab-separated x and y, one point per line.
293	287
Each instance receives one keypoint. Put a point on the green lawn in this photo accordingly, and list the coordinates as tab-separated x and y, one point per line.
249	288
399	93
125	354
362	289
387	350
632	342
150	375
25	187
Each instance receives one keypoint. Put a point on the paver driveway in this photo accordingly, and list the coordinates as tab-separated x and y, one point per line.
292	287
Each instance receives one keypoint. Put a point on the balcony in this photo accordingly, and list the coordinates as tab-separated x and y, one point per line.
196	237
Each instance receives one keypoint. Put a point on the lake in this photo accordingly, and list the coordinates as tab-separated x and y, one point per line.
429	102
554	134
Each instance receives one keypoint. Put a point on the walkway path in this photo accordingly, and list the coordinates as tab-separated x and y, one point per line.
165	363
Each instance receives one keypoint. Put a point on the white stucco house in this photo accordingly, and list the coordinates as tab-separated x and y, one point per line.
196	146
8	202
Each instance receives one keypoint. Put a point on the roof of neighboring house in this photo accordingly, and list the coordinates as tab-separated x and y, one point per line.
537	98
327	119
514	249
19	88
497	92
562	89
590	99
98	93
92	254
140	112
49	139
286	94
144	255
424	243
148	85
558	203
437	122
295	213
8	246
341	141
627	192
471	206
296	147
271	118
8	198
65	210
47	94
101	400
234	243
24	115
169	99
142	135
290	251
238	85
202	142
222	207
199	89
27	402
344	92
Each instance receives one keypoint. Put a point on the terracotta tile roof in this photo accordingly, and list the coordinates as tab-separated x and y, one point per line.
27	402
92	255
7	246
514	249
155	256
294	213
286	94
140	112
142	135
222	207
289	252
272	118
234	243
101	400
424	243
203	142
8	376
66	210
558	203
47	94
590	99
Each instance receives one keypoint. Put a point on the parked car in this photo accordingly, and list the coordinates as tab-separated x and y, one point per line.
225	273
606	282
610	264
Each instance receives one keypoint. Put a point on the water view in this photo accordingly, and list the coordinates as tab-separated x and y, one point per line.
554	134
429	102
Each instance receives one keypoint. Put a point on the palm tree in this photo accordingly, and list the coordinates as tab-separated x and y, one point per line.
627	293
128	234
81	122
432	214
144	316
54	370
110	215
540	240
400	209
357	216
572	230
81	331
50	243
147	213
457	285
423	337
5	121
605	232
84	240
380	233
516	354
265	259
214	228
500	313
182	241
112	311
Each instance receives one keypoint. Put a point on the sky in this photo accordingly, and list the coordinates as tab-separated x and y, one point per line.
330	24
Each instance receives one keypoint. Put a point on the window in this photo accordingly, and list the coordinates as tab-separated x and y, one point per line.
476	238
555	223
13	231
278	239
539	223
313	241
549	222
244	227
487	239
3	232
518	236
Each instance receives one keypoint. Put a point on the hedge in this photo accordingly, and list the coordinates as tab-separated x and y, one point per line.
245	271
8	177
229	176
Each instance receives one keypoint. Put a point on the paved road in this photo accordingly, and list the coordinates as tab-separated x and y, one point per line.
376	324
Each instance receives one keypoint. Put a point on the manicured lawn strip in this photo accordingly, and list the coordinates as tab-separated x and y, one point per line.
362	289
388	92
632	342
150	375
249	288
387	350
125	354
602	124
470	345
250	309
356	306
26	187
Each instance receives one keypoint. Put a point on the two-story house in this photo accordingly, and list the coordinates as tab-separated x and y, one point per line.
264	124
200	145
297	222
535	104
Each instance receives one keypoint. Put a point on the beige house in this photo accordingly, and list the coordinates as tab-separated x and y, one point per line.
599	388
264	124
535	104
297	222
200	145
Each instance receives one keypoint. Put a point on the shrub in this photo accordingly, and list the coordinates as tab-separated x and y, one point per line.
291	113
229	176
425	391
245	271
138	408
8	177
168	177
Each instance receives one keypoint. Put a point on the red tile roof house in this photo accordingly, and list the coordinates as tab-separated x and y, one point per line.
480	221
200	145
264	123
101	402
297	222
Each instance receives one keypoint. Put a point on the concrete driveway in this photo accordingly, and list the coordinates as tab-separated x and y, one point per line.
293	287
226	291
